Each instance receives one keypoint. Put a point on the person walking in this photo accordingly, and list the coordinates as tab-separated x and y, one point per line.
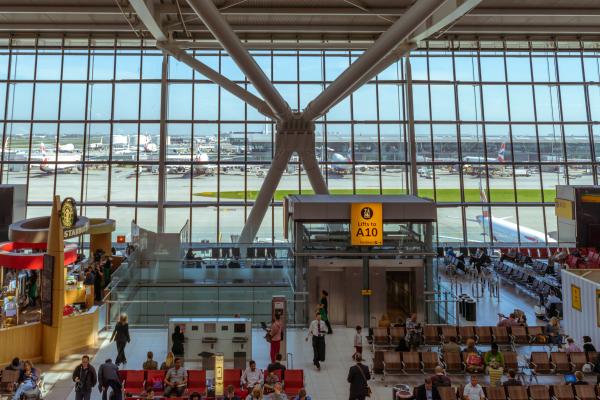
178	339
325	307
275	334
121	336
317	330
108	377
85	379
358	377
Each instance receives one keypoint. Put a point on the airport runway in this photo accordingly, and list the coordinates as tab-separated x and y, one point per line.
123	188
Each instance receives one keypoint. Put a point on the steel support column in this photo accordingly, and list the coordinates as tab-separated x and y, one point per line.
410	114
214	21
265	194
162	150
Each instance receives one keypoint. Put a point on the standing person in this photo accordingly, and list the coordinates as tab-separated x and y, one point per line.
32	290
317	330
107	270
588	346
357	342
358	377
178	339
28	380
325	307
121	336
108	377
275	334
85	379
98	282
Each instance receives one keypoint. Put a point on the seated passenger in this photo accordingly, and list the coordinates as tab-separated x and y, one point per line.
169	362
277	365
252	376
256	394
494	355
451	347
473	360
587	344
175	380
473	390
426	391
495	371
302	395
579	378
148	394
150	364
195	396
190	254
508	322
278	393
571	346
440	378
402	345
553	331
270	381
230	393
512	380
15	365
28	380
384	322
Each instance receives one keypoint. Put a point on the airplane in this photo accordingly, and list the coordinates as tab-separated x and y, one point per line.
47	168
66	148
478	159
200	168
343	168
509	232
97	146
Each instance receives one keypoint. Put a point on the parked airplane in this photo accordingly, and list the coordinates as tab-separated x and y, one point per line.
477	159
66	148
68	163
509	232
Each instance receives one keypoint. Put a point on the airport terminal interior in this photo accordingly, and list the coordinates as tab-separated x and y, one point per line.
297	199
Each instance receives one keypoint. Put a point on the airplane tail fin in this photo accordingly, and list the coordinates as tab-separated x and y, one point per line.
501	152
43	149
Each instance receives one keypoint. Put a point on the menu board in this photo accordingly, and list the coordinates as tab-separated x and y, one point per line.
47	274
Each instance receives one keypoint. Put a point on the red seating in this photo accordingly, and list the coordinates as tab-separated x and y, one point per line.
196	381
134	382
543	252
279	374
233	377
294	381
152	379
122	374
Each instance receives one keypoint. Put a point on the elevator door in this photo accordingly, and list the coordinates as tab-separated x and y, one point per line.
399	294
332	282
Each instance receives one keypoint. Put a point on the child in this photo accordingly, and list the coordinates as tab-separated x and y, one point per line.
357	342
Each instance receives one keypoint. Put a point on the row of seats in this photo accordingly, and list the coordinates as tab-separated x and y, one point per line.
560	362
234	264
426	361
435	335
412	362
528	280
533	392
136	381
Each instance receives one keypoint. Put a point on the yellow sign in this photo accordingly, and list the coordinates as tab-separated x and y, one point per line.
219	376
563	209
576	297
68	213
366	224
590	198
366	292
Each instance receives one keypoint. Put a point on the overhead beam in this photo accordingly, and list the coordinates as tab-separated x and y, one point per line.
217	78
209	14
147	13
398	33
450	12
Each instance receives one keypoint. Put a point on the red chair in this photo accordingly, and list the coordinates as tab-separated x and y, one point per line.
196	381
233	377
294	381
122	375
156	380
543	252
134	383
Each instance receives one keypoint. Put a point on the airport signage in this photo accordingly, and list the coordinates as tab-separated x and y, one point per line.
366	224
564	209
219	374
366	292
576	297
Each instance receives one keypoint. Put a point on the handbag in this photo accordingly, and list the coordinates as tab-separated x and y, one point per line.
369	391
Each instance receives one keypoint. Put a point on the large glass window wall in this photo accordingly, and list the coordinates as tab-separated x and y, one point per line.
496	130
